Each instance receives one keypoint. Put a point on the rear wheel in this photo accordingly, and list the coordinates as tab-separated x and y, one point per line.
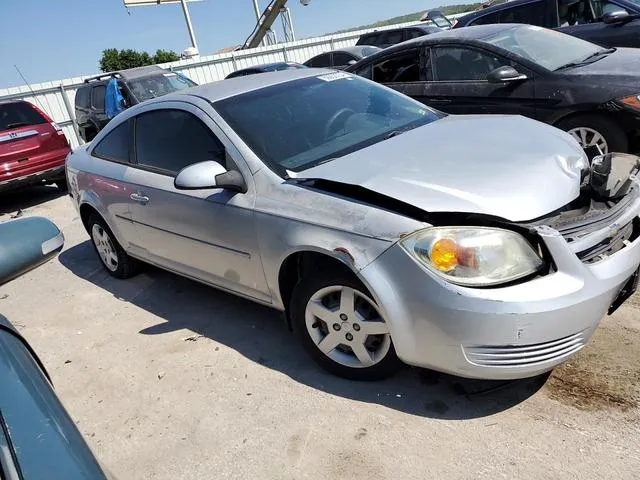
61	184
114	259
341	327
596	131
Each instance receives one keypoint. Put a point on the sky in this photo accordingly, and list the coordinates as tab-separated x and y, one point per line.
55	39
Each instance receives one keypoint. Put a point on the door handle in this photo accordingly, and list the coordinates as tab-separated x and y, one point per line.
139	198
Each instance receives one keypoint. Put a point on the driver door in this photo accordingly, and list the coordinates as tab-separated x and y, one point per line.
460	83
210	234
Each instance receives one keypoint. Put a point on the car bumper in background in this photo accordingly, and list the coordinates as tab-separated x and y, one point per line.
43	168
498	333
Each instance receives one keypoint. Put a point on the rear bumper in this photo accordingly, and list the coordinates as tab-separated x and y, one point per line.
47	167
48	175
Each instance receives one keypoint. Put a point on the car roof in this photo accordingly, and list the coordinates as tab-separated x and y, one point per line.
231	87
355	50
128	74
265	65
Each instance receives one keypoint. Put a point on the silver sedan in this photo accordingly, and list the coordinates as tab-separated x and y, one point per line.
483	246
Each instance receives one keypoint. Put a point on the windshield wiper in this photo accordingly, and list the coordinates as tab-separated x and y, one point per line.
593	56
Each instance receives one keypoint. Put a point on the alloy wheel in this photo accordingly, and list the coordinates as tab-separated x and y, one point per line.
347	327
105	248
588	137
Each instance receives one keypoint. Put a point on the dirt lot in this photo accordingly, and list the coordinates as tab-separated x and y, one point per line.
167	378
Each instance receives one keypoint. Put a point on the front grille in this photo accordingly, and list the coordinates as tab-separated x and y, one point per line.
525	355
610	245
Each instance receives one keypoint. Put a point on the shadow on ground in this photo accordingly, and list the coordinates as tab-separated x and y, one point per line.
14	201
260	334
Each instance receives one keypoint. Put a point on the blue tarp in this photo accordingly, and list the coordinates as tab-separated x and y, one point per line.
113	100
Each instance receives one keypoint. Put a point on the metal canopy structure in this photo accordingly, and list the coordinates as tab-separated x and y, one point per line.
185	10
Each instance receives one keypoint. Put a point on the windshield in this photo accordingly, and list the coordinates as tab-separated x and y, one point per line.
299	124
547	48
370	50
157	85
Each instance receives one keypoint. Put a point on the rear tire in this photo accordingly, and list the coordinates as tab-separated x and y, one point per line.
62	185
112	256
334	313
589	127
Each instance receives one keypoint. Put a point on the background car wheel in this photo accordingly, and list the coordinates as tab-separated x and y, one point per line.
341	327
594	130
113	257
62	185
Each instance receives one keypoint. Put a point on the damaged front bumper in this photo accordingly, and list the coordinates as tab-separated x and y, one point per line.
514	331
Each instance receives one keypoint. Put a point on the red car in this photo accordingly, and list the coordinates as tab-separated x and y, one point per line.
33	148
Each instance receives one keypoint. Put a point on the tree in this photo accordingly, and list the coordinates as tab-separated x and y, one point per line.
165	56
113	59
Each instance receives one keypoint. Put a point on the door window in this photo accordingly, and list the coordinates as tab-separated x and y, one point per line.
97	97
401	68
370	39
460	64
169	140
115	145
414	33
82	97
392	37
531	13
321	61
341	59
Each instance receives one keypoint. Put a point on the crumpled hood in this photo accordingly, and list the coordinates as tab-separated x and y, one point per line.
507	166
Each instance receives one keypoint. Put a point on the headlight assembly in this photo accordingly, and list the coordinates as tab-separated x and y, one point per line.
473	256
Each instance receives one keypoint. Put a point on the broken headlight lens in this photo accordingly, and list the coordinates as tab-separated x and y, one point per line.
473	256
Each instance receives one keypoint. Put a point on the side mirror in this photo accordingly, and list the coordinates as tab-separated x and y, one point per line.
25	244
617	16
505	74
209	174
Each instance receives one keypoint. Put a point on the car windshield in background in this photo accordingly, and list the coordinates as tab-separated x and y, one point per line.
549	49
299	124
157	85
18	114
282	66
370	50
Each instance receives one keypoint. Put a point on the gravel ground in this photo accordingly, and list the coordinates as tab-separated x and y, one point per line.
167	378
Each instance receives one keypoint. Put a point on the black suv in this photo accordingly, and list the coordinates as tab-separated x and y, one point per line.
608	23
386	38
135	85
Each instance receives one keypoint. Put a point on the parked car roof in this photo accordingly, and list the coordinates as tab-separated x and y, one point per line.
265	67
355	50
237	85
130	73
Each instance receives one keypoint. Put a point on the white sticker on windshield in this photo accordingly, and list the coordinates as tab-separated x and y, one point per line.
330	77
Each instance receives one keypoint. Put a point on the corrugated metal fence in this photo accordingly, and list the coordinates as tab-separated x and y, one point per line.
57	98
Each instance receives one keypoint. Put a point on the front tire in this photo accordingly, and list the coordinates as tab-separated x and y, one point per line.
113	257
341	327
596	130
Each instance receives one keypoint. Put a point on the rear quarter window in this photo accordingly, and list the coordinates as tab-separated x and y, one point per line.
369	39
19	114
97	97
115	145
82	97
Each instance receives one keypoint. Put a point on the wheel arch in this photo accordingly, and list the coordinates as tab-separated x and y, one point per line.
89	204
305	259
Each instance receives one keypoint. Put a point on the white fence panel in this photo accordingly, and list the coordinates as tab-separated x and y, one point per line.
50	96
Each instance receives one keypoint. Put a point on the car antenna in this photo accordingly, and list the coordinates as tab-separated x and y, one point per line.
28	85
